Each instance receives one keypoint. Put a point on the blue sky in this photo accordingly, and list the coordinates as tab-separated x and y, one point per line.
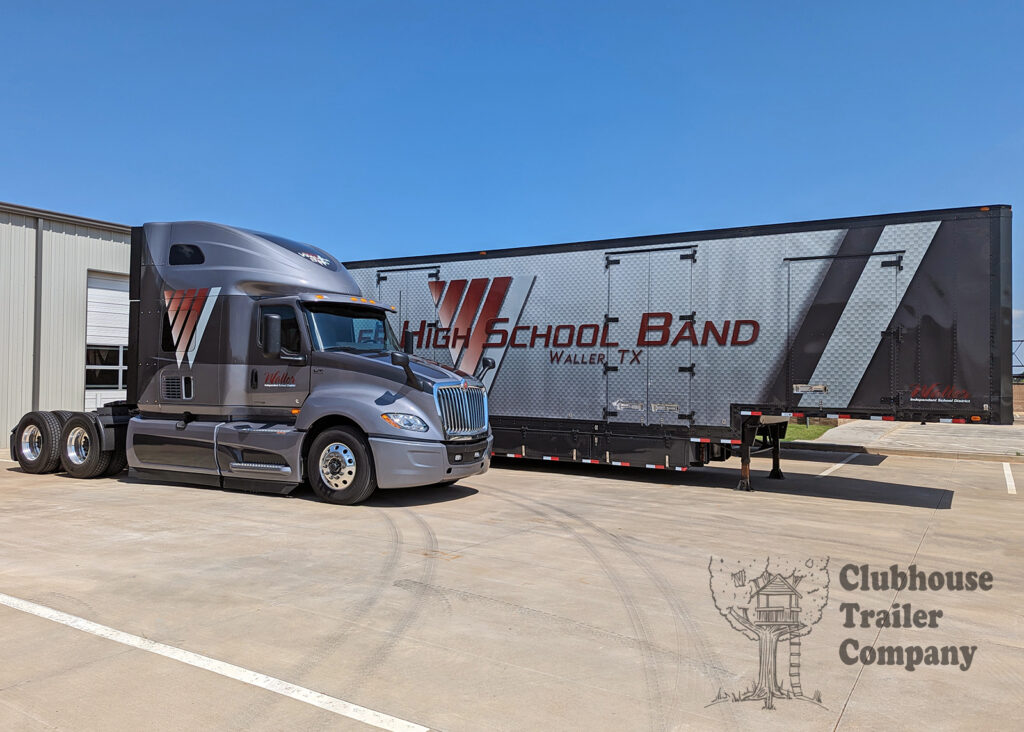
380	128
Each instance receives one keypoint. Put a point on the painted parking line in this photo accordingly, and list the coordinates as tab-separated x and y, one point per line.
838	465
253	678
1011	487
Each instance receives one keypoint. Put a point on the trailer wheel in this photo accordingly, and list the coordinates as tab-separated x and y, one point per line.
340	467
37	440
81	452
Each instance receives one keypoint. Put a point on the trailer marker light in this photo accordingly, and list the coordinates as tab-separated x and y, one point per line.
975	418
321	297
295	411
984	208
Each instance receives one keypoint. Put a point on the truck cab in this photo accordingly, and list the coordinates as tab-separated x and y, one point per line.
256	363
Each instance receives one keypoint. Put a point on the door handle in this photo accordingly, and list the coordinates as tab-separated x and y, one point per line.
253	379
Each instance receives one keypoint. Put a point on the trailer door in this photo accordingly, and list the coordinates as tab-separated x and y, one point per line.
625	362
834	333
409	291
671	368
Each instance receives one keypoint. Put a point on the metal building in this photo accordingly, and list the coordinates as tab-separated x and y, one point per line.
64	298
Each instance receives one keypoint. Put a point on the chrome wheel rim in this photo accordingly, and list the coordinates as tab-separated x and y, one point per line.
78	445
338	466
31	442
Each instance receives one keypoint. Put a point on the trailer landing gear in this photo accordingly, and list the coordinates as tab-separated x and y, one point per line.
776	440
749	431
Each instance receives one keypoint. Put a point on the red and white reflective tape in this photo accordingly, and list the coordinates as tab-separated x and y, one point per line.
838	416
589	461
888	418
792	414
730	442
876	418
751	414
681	470
550	457
700	439
655	467
512	454
625	465
953	420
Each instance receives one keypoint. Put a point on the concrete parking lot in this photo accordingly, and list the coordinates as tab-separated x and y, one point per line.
533	597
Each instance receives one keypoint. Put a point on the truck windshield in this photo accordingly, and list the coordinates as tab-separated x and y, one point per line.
350	328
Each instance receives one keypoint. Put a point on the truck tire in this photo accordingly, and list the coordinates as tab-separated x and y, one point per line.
340	467
81	452
118	462
62	415
37	440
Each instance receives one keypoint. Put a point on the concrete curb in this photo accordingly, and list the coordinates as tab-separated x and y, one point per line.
990	457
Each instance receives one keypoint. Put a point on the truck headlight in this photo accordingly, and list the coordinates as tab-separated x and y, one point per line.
405	422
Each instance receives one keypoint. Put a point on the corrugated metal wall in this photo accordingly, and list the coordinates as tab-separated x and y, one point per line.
17	283
69	252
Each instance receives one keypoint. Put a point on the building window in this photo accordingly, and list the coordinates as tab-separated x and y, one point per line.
105	367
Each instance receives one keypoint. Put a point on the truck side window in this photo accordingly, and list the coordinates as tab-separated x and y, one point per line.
290	339
185	254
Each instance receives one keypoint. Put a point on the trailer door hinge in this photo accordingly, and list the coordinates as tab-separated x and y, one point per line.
692	317
691	369
688	416
691	255
608	262
608	368
381	278
898	263
434	275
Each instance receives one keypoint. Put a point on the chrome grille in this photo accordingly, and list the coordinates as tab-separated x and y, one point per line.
463	410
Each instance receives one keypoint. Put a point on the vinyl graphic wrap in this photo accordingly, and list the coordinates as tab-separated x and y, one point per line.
188	312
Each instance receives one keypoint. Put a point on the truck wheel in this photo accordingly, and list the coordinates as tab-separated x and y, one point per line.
62	415
118	462
81	453
340	467
38	442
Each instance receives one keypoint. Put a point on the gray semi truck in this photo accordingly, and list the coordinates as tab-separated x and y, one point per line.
256	363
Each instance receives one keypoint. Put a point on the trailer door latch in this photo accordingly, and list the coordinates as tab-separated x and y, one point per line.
608	413
608	368
689	416
692	317
609	319
608	262
898	263
691	369
436	274
381	278
691	255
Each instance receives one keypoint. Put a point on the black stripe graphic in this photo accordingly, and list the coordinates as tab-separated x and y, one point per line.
809	343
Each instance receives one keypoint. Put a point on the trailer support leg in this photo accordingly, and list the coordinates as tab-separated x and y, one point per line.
776	473
749	431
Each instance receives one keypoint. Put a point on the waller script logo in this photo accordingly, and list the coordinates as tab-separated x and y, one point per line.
774	602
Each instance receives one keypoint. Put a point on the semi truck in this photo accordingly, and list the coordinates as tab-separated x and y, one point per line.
256	363
675	350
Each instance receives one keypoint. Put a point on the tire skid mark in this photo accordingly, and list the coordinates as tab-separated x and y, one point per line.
636	618
681	616
383	578
430	553
582	629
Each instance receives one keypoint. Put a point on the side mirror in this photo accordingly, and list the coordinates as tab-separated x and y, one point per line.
271	335
486	364
402	359
407	341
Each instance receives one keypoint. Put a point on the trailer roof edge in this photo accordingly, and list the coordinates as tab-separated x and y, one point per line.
688	236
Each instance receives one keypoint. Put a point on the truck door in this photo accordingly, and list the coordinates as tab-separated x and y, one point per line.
410	292
280	382
835	332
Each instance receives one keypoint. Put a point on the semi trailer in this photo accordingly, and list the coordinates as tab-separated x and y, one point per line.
256	363
675	350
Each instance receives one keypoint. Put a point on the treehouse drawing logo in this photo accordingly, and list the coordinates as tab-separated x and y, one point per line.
776	602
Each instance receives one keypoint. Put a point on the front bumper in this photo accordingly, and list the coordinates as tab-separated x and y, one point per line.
404	463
